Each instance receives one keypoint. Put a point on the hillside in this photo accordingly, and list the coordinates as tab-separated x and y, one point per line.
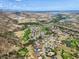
26	35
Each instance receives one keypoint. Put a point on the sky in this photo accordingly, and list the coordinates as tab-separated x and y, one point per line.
39	5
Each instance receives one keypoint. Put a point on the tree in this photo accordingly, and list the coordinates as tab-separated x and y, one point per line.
57	18
23	52
26	37
66	55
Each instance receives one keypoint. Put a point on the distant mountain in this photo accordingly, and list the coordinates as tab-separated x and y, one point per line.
10	10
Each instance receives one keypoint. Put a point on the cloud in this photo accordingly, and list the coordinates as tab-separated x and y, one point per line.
18	0
1	5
